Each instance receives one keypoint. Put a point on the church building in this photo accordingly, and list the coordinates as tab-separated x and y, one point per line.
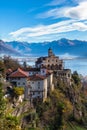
51	61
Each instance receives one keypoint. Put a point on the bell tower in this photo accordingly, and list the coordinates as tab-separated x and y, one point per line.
50	52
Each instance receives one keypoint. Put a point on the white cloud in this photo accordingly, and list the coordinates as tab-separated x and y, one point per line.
80	26
47	32
77	22
76	12
54	13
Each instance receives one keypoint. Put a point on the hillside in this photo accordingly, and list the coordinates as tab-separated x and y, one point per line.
73	126
64	109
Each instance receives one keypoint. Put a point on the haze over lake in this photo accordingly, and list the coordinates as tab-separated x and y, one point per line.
79	65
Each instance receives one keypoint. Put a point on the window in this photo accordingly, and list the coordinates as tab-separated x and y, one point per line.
18	83
48	65
38	97
23	83
32	82
38	92
68	75
38	85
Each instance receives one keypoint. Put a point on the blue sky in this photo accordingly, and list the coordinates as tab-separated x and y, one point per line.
43	20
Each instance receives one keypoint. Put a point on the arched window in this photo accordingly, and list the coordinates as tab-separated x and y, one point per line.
60	66
48	65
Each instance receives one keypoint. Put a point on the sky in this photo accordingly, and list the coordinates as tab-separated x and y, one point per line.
43	20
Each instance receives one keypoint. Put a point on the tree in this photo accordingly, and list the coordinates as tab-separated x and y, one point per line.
54	112
76	78
12	123
7	122
2	68
2	108
11	63
18	91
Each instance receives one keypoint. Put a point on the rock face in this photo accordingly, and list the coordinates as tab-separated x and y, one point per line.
21	108
75	94
26	112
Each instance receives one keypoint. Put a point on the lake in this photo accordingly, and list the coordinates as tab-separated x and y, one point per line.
79	65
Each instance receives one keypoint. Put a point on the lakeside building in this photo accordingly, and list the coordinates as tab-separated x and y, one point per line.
17	78
36	85
52	62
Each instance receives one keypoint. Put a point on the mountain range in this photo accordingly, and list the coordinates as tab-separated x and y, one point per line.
60	47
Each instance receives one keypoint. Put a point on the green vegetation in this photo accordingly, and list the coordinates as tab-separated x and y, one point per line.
2	68
76	78
74	126
11	122
7	122
54	112
2	108
18	91
10	63
66	108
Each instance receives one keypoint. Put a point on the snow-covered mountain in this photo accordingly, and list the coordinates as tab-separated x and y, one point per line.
60	47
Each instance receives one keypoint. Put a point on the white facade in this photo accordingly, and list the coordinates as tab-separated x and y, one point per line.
36	85
18	82
18	78
42	71
37	89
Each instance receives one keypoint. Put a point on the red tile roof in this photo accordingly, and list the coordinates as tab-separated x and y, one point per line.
36	77
9	71
19	73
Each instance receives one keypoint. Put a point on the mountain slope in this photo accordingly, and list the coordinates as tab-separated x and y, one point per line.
62	46
6	49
